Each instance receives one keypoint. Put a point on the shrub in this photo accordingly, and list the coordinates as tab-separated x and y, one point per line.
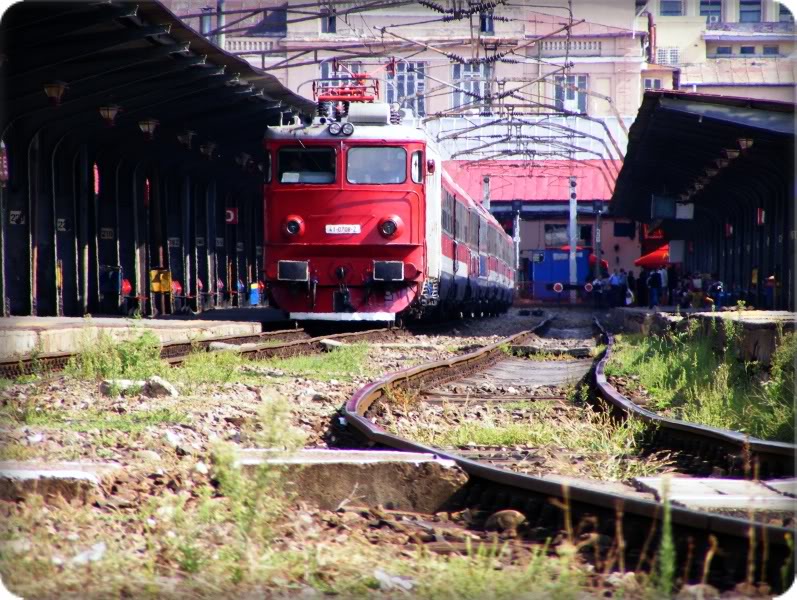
105	358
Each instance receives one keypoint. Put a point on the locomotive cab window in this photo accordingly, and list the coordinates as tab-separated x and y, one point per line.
417	166
306	165
376	165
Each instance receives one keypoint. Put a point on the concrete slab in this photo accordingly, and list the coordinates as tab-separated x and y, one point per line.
787	487
718	494
396	480
22	336
70	480
243	314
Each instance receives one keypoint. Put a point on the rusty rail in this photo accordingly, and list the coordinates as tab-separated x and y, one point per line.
506	489
775	459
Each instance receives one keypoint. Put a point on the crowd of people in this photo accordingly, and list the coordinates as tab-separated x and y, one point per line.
656	287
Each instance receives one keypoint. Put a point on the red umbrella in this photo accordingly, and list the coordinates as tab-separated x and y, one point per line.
660	257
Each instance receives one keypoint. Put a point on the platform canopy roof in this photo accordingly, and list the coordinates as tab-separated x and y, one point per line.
140	58
536	181
711	151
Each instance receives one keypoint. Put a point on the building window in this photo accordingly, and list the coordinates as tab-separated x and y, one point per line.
784	14
749	11
585	235
712	10
622	229
726	50
652	84
487	23
407	85
571	93
771	50
670	8
473	85
668	56
333	78
747	50
556	235
329	22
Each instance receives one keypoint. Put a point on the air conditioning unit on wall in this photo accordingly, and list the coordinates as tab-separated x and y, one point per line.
713	19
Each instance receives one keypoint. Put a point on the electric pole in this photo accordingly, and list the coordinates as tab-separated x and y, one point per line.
573	239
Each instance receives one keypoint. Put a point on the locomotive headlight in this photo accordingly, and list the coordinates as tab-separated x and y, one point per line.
347	129
390	227
293	226
334	128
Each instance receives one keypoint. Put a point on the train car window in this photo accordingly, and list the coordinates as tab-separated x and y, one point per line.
482	235
417	166
376	165
306	165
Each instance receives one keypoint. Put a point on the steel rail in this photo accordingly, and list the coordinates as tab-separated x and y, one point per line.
733	534
775	459
56	361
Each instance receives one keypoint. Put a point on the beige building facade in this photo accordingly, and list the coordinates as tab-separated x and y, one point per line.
529	84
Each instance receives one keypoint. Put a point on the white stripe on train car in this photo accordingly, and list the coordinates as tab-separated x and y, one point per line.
352	316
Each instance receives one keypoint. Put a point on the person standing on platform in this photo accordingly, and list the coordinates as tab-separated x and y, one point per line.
614	282
632	283
663	296
654	287
672	282
642	288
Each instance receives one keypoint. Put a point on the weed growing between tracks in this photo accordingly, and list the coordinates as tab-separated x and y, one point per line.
106	358
683	375
603	447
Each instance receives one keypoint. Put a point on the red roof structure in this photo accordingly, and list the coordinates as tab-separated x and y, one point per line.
536	181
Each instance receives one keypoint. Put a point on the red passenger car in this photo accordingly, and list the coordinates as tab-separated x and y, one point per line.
363	224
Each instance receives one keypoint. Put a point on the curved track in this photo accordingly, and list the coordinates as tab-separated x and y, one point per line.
705	444
631	523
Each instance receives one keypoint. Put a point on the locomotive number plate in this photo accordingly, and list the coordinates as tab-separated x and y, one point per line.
336	229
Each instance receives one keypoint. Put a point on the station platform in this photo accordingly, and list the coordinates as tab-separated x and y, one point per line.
247	314
23	336
760	328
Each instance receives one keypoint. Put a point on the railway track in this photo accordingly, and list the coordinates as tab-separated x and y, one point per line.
274	344
627	526
700	447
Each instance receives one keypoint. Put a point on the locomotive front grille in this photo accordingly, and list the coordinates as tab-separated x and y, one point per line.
388	270
293	270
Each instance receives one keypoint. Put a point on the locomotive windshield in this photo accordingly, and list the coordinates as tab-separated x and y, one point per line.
306	165
376	165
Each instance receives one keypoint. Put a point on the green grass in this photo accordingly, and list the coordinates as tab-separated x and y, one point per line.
344	362
228	366
689	379
88	420
209	367
106	358
609	445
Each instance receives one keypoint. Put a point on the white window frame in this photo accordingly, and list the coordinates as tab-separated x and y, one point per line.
650	83
668	55
572	99
407	88
326	73
473	78
680	13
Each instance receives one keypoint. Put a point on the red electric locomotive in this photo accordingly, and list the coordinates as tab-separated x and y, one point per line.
363	223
